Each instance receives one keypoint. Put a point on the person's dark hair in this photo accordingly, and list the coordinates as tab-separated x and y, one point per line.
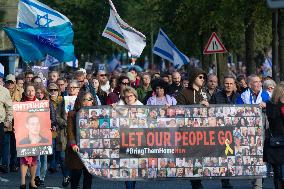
121	78
80	98
62	79
43	89
28	85
160	83
29	72
132	69
240	78
34	78
20	78
230	76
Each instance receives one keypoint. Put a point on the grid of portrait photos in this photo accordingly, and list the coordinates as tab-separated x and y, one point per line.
99	139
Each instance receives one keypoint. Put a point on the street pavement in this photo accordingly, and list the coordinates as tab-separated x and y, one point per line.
53	181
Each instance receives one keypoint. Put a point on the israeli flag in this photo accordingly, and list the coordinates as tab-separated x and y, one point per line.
34	14
73	63
1	70
166	49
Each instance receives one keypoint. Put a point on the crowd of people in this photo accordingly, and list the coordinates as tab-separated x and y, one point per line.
126	88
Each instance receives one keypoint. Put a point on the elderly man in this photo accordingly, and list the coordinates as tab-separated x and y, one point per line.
103	80
212	85
6	117
254	95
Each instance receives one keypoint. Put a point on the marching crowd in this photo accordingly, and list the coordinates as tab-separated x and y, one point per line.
125	88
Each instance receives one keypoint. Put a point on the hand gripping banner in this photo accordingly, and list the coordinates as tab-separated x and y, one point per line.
152	142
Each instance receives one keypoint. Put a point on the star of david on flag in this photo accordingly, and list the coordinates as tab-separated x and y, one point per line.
34	14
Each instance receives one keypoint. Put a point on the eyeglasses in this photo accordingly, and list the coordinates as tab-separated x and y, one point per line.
201	77
88	99
103	75
73	88
53	90
129	96
125	83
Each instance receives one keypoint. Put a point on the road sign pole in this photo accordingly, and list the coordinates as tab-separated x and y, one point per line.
216	63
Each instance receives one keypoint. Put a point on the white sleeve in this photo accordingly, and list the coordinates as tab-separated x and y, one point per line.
98	100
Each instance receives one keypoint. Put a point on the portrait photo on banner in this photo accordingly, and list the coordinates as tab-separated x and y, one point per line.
32	128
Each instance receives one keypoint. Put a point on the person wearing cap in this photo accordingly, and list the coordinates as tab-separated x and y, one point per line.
6	118
9	146
55	99
194	94
15	91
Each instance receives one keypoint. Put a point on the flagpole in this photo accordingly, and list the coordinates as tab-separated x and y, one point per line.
152	39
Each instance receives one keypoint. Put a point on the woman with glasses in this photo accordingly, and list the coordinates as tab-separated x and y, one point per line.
73	161
161	97
114	96
128	97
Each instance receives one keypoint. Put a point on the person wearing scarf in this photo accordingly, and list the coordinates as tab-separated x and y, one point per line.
29	161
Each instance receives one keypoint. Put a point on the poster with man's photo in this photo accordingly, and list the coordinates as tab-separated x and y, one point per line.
152	142
32	128
42	72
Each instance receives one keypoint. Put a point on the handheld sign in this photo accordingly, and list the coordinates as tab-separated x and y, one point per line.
214	45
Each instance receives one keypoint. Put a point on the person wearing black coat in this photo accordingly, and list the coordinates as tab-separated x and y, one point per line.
275	116
226	96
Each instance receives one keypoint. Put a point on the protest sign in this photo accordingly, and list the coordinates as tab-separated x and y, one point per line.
151	142
41	72
69	102
32	128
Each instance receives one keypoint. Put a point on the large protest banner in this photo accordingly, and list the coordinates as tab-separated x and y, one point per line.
150	142
32	128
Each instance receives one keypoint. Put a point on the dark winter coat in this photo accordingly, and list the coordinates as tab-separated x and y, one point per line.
276	124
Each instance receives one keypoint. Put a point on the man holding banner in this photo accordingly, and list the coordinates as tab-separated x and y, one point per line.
226	96
194	95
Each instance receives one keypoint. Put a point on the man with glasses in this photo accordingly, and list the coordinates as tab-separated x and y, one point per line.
103	80
114	96
194	95
62	84
9	146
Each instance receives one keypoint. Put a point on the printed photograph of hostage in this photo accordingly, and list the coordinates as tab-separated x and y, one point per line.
34	133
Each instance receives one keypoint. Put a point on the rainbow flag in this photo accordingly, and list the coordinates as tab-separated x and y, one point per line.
122	34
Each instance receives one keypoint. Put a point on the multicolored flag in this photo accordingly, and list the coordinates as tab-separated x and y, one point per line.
124	35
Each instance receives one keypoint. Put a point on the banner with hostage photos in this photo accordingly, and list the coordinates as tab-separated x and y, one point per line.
152	142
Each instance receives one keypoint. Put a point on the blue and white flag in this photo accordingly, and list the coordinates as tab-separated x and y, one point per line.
34	14
1	70
113	64
74	63
35	43
166	49
124	35
51	61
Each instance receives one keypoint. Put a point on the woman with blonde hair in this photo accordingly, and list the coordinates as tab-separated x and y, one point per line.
275	115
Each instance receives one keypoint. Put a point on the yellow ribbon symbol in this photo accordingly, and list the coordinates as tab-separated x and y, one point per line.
228	148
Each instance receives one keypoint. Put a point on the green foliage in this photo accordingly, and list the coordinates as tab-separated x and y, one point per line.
189	23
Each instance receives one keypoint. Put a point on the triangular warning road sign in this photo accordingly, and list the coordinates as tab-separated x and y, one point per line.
214	45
